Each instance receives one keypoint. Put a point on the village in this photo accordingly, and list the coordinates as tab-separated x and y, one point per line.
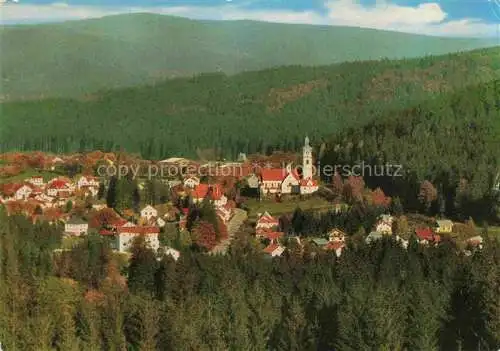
77	202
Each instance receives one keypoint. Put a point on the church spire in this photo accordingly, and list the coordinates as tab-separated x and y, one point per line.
307	171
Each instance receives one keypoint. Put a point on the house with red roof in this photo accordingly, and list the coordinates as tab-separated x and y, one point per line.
308	186
88	185
266	222
60	187
23	191
426	236
87	182
191	182
274	250
272	236
336	246
124	235
272	179
213	192
475	242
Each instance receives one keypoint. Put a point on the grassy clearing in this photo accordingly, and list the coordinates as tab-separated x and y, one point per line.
47	175
69	242
494	232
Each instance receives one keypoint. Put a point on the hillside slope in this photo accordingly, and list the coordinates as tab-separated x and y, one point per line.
78	57
249	112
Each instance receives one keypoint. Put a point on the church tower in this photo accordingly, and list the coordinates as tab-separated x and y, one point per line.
307	160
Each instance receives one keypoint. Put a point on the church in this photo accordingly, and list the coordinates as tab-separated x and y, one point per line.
288	180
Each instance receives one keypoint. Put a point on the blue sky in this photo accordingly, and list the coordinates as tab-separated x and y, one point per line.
479	18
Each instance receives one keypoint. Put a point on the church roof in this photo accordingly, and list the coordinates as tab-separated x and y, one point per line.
273	174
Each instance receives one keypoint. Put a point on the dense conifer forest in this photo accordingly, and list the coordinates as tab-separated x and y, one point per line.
374	297
258	111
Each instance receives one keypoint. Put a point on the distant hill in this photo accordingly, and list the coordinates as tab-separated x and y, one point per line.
78	57
249	112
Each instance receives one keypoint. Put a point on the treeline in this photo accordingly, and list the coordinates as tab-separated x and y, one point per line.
253	112
376	297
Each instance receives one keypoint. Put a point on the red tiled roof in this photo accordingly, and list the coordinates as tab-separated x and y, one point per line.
268	220
118	222
138	230
424	234
11	188
58	184
106	232
273	174
304	182
334	245
202	190
271	248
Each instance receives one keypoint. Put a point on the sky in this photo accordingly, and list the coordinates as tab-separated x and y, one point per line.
462	18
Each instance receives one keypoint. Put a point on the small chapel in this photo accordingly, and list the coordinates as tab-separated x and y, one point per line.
288	180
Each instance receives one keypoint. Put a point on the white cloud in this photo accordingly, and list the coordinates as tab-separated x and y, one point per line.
428	18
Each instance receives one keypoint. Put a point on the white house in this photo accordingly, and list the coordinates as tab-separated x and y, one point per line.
59	188
36	180
403	242
149	212
175	254
476	241
128	232
336	235
55	162
99	207
373	236
384	224
76	226
291	182
253	181
191	182
274	250
308	186
87	181
160	222
23	192
266	222
46	201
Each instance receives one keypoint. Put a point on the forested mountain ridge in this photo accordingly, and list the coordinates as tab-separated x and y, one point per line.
79	57
250	112
453	141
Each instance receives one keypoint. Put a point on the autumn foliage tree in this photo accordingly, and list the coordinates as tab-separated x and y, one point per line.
380	199
353	189
427	195
337	185
204	235
103	218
